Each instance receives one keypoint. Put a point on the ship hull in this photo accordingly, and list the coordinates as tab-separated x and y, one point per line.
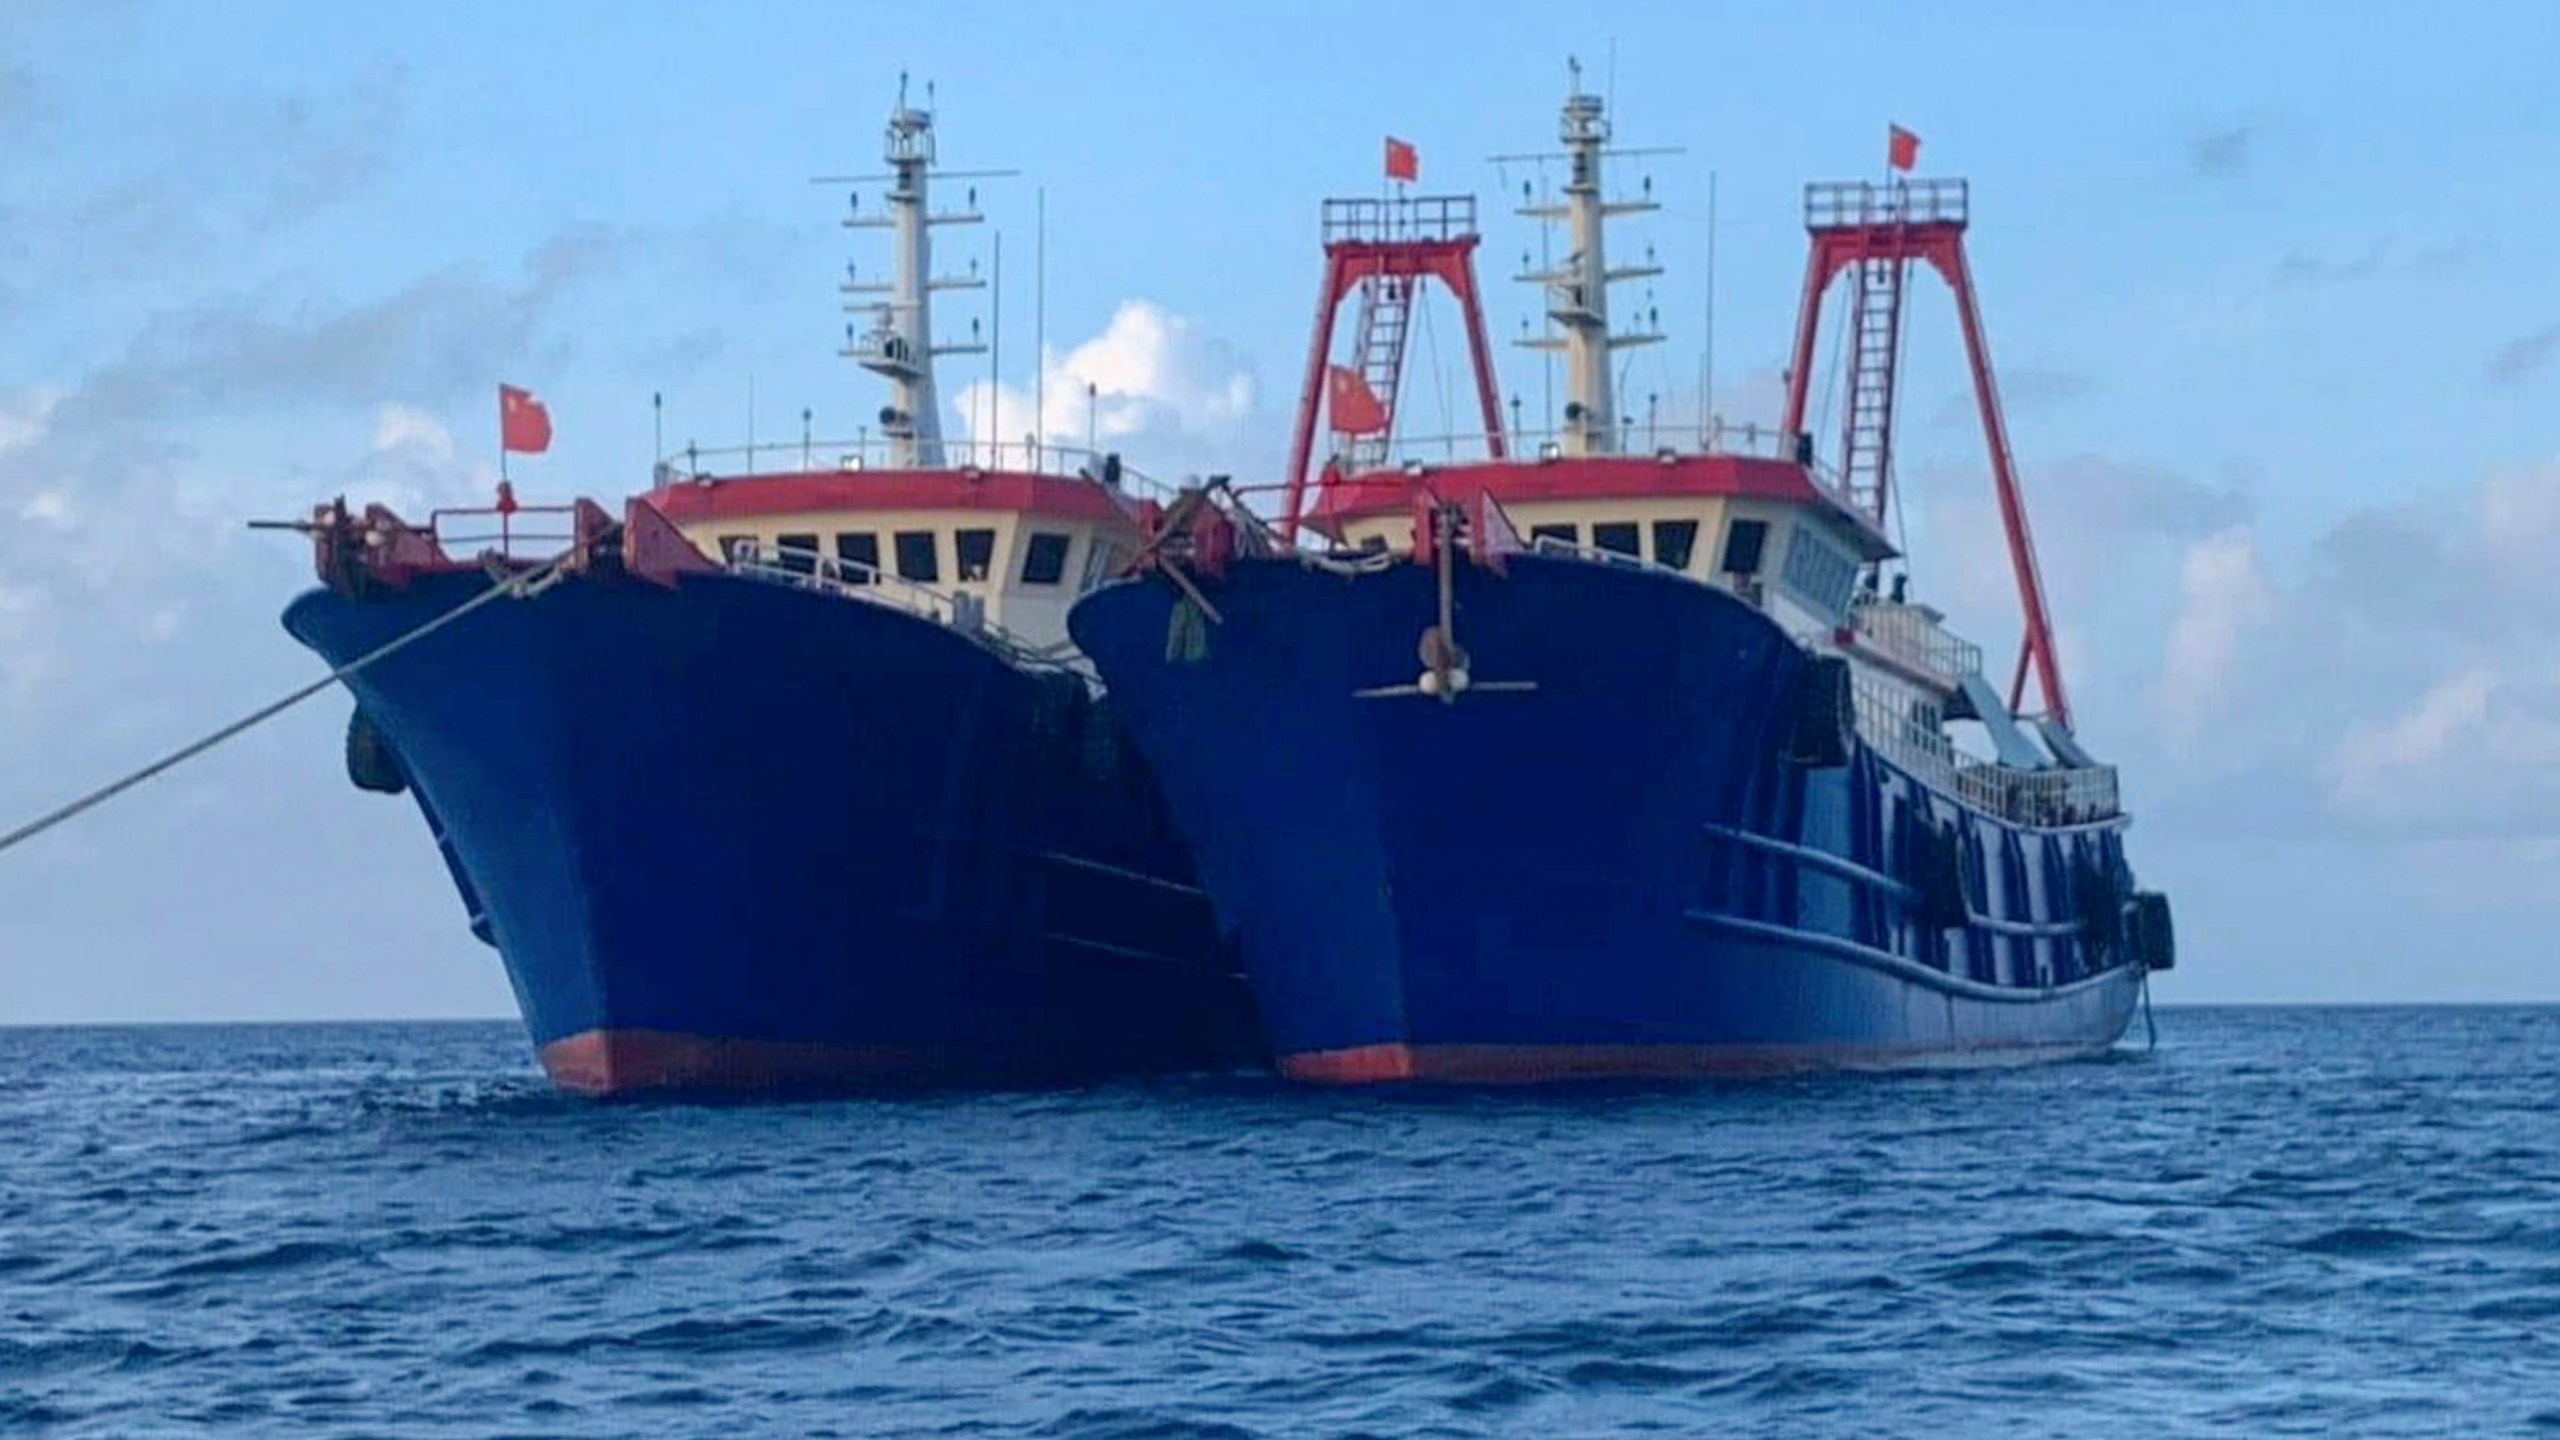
741	836
1600	861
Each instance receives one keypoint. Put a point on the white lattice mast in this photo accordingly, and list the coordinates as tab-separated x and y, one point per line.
899	345
1578	288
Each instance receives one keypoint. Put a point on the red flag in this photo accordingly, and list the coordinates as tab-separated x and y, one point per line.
1403	163
1354	407
523	425
1902	148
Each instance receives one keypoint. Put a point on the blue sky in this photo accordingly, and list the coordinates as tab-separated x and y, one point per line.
2272	290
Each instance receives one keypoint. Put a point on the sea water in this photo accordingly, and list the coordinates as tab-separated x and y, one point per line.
2342	1223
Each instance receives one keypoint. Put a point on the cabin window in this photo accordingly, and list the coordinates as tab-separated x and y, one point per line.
1374	545
977	554
1044	560
916	556
1818	572
1673	540
1619	537
734	548
1101	562
799	553
1743	542
857	556
1568	534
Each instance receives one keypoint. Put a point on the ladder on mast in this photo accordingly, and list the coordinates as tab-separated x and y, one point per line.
1874	234
1866	449
1386	317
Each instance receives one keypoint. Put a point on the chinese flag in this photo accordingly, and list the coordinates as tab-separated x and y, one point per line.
1902	148
523	425
1354	407
1402	161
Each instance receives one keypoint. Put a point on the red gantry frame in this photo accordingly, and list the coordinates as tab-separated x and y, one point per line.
1385	247
1875	232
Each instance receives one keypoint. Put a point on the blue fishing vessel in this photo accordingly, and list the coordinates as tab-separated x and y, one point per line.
791	777
1624	756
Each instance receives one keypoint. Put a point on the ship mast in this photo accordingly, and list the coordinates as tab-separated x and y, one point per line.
899	346
1578	289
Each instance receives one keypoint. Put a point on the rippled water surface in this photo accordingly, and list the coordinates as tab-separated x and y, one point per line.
2342	1223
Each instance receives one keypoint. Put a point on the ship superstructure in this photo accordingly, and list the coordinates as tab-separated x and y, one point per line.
1582	758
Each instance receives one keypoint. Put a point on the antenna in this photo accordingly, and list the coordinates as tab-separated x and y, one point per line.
898	344
1039	321
995	359
1707	358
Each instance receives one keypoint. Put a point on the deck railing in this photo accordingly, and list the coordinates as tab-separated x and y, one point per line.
514	532
850	579
1844	204
874	452
2028	797
1913	636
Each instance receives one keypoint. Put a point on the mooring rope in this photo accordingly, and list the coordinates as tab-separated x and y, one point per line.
2150	1029
526	583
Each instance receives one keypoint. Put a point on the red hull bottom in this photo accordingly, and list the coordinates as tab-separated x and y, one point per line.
602	1063
1549	1064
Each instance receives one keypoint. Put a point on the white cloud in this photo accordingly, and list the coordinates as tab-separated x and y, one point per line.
25	417
405	427
51	508
2224	597
29	656
1163	391
2519	518
2478	751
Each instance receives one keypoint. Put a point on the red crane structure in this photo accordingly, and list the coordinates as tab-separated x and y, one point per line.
1875	232
1387	249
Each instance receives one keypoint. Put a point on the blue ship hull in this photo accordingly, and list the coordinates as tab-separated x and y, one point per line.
1614	869
740	835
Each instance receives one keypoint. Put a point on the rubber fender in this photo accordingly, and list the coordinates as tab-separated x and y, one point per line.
1946	889
371	762
2149	932
2102	909
1826	716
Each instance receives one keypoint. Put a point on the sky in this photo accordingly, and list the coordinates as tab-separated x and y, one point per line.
2275	301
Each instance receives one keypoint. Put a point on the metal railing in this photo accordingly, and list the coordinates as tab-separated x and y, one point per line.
868	584
1850	204
1887	722
874	452
1558	545
1644	440
540	530
1427	218
1911	634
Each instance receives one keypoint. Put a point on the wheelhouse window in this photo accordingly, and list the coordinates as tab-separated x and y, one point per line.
1567	534
977	554
1744	540
1044	560
1820	574
1101	562
734	548
1619	537
858	556
799	553
1673	542
917	559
